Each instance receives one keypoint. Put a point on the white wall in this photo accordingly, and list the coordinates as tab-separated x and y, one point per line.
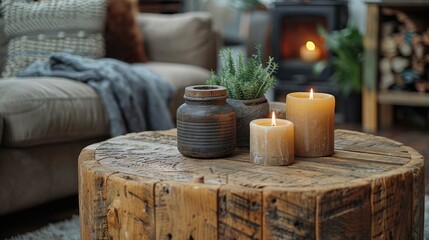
357	13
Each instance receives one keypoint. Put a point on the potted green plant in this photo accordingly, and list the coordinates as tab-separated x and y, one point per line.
246	81
346	46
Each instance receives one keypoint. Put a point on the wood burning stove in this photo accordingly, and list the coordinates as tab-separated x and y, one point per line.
297	46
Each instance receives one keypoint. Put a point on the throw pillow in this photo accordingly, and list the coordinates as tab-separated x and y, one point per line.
38	28
124	40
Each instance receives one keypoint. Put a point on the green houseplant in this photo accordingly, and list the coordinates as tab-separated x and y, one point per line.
346	46
246	81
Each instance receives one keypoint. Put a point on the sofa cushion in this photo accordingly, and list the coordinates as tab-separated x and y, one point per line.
180	38
34	175
44	110
179	76
38	28
124	40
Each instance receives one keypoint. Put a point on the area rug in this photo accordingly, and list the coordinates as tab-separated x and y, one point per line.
64	230
69	229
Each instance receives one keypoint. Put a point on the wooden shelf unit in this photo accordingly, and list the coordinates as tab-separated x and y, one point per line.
377	106
161	6
403	98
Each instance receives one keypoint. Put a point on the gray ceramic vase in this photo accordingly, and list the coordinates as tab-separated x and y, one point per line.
206	123
246	111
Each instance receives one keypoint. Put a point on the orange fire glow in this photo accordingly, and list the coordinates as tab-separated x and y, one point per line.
310	45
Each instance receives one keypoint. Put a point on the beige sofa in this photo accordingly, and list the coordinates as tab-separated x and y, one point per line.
45	122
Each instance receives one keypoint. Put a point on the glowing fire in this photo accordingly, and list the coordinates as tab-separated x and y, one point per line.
273	119
309	52
311	94
310	45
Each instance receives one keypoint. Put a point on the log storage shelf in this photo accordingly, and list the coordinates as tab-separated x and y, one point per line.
404	98
138	186
396	60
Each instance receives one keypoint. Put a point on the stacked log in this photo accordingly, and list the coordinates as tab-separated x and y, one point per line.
404	55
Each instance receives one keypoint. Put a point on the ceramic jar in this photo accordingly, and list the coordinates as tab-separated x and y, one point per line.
246	111
206	125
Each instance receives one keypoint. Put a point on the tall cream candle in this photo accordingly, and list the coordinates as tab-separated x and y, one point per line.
314	122
271	142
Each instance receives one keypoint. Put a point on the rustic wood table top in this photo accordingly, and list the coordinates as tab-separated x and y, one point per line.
140	185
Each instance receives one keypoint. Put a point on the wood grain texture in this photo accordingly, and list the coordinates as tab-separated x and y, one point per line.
240	213
344	213
391	200
289	215
131	205
139	186
418	194
186	211
369	90
92	195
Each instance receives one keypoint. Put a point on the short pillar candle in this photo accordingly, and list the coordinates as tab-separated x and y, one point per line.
313	116
271	144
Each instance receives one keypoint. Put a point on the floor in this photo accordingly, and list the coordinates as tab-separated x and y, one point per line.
35	218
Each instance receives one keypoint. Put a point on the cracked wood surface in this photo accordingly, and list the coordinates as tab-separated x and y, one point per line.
139	186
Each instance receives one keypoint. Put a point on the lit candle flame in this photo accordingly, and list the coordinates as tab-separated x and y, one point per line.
311	94
310	45
273	119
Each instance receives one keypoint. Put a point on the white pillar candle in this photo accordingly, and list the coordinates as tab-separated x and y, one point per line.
271	141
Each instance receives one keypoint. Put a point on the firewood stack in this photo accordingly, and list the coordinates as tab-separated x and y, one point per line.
404	52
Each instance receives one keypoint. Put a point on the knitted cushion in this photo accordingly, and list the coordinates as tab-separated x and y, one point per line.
36	29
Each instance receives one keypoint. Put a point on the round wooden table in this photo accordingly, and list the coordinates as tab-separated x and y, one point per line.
139	186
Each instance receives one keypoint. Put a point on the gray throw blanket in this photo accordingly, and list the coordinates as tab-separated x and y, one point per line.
136	99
